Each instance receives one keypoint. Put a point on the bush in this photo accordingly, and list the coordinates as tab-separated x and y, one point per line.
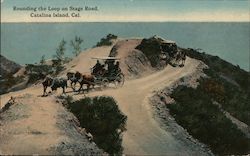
151	49
37	72
106	41
220	66
215	89
103	119
195	111
231	81
233	99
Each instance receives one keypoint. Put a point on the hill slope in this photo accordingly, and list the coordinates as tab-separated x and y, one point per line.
7	66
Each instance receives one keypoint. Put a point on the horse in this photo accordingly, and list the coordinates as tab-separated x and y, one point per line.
54	83
73	77
82	79
87	79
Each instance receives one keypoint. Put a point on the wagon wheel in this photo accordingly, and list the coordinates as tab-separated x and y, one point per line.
119	80
105	83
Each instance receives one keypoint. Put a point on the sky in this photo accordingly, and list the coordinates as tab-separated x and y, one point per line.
131	10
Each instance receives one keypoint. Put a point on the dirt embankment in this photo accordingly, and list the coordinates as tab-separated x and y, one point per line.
133	62
38	125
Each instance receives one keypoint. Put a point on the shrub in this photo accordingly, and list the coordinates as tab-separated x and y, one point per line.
76	44
220	66
103	119
215	89
236	94
37	72
60	51
151	48
195	111
106	41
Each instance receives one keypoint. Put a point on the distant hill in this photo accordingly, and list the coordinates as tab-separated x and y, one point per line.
7	66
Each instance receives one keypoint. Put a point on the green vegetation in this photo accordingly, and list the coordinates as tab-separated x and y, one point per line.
234	91
76	44
195	111
103	119
221	67
151	48
232	98
37	72
106	41
57	66
42	61
60	51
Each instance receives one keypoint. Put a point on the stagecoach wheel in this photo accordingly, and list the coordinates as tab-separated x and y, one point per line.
105	83
119	80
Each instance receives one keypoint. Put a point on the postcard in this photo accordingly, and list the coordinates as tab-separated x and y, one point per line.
124	77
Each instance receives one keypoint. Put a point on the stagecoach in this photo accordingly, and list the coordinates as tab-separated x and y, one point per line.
107	77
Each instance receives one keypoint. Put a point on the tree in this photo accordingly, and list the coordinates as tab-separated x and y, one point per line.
60	51
42	61
76	44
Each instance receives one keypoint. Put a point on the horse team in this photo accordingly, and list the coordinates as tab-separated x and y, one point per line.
73	77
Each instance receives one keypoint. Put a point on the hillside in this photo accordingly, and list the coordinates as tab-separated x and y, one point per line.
133	63
7	69
7	66
170	108
216	105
